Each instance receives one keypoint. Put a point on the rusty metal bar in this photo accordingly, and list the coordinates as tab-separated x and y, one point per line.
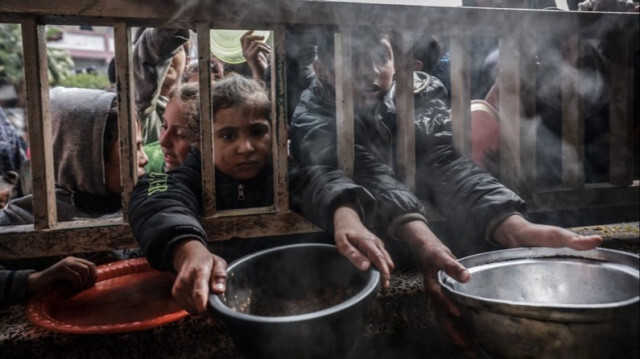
39	120
510	109
206	120
406	139
572	116
344	100
127	123
620	83
461	94
279	119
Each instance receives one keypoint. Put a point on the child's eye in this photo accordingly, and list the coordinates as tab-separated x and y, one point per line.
229	136
182	136
258	132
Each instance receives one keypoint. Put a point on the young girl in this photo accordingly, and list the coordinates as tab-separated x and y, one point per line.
180	129
165	207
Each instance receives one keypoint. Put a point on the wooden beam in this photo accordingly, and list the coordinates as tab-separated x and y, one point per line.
344	100
206	120
405	119
461	94
88	236
39	123
127	117
572	116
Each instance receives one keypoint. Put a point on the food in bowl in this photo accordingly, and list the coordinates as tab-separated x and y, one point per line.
295	301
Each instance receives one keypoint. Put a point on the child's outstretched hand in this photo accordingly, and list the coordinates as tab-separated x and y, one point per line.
81	273
200	272
256	52
359	245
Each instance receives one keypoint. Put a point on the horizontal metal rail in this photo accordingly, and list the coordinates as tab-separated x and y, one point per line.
460	25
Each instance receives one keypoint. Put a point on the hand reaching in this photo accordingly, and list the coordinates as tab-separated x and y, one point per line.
516	231
434	256
256	52
359	245
199	272
80	273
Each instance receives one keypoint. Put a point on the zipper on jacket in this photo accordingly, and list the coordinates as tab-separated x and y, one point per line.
240	192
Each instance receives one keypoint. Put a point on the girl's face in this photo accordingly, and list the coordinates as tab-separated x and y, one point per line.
175	138
112	165
242	142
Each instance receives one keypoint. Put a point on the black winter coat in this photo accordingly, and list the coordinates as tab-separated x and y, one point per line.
468	197
165	207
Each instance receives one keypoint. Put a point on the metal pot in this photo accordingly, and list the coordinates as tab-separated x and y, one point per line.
262	282
551	303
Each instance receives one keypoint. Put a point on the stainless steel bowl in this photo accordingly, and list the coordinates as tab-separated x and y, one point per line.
551	303
267	302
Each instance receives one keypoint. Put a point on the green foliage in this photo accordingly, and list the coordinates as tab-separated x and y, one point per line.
95	81
11	57
10	54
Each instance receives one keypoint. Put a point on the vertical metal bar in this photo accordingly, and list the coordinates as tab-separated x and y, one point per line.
127	116
406	139
572	116
344	100
510	110
279	118
206	120
621	110
529	128
461	94
39	120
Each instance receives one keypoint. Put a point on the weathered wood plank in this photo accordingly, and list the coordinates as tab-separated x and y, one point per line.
510	109
461	94
405	119
206	120
76	237
279	119
572	116
344	100
127	117
39	122
620	83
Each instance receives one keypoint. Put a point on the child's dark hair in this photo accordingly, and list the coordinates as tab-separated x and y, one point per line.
188	96
239	91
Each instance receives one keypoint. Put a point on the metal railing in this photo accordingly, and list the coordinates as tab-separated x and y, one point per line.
460	25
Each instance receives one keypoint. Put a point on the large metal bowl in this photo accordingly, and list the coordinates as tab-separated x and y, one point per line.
281	302
551	303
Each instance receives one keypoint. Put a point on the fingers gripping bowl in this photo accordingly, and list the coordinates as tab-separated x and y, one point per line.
550	303
295	301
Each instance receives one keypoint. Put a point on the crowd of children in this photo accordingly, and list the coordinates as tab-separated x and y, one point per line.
360	213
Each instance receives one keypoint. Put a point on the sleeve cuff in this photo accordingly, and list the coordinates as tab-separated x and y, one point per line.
408	217
494	223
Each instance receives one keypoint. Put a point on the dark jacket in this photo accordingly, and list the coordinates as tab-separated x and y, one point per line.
469	198
78	123
165	207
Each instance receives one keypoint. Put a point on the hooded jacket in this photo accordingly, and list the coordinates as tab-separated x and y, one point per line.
471	200
165	207
78	122
154	48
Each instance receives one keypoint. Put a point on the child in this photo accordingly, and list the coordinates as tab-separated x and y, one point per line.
477	205
17	285
180	130
86	157
165	207
8	182
160	57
